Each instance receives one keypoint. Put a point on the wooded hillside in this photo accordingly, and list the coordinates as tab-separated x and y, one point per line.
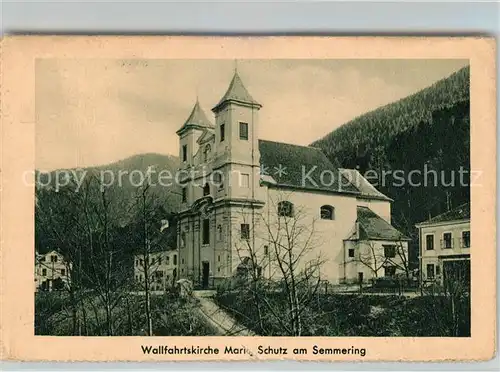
73	207
426	132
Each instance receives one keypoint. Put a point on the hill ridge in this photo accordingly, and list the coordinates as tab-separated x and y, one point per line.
172	158
444	93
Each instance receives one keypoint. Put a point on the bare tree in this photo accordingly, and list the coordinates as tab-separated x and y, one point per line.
106	270
146	256
457	289
450	305
376	256
285	254
370	256
403	261
149	212
56	224
94	226
402	249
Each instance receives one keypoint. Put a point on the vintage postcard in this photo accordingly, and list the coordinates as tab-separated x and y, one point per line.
248	198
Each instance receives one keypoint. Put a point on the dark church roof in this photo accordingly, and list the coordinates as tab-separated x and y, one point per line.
237	93
197	119
459	213
301	167
374	227
362	184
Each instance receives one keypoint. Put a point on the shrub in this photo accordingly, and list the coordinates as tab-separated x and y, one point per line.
172	316
353	315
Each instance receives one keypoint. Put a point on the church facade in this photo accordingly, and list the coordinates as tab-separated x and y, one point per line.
273	206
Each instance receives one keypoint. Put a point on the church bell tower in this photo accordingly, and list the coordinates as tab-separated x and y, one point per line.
236	139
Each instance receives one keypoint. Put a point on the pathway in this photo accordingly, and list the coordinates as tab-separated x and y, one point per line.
224	323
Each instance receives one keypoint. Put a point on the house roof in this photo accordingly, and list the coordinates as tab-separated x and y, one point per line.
362	184
374	227
197	119
459	213
51	251
300	167
39	256
236	92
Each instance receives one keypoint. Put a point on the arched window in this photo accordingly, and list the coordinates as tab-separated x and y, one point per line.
285	209
327	212
206	189
206	153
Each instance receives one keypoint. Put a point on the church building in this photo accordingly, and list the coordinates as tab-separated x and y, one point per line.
274	208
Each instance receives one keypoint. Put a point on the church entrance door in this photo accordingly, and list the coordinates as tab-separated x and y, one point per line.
206	273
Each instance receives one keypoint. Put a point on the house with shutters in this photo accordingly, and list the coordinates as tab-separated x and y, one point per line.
243	197
156	265
159	266
445	245
52	271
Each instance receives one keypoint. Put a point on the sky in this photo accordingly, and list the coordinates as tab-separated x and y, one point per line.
97	111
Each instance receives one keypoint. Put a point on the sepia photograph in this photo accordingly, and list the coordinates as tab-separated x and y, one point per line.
252	197
325	199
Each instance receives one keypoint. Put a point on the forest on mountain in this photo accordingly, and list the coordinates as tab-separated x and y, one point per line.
74	199
416	150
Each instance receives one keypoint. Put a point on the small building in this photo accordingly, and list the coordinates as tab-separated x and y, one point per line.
160	262
52	271
445	246
162	269
375	249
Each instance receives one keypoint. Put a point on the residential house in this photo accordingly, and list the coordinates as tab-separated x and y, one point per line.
374	249
445	244
52	271
162	269
160	261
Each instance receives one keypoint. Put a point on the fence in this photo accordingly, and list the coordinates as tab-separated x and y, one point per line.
380	285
